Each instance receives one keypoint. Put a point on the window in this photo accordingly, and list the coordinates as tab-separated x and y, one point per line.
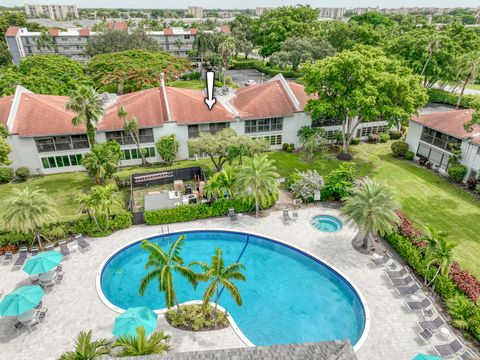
263	125
272	140
365	131
323	121
435	156
478	150
52	162
195	130
62	143
186	37
439	139
124	137
129	154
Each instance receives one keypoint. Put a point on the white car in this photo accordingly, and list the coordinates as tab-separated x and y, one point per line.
250	82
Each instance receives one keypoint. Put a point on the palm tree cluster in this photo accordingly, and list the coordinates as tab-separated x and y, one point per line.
162	266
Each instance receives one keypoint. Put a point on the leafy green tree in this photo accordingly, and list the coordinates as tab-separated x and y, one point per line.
5	57
217	146
162	265
45	41
27	210
113	41
372	208
362	85
5	150
102	161
88	349
219	275
87	104
167	147
373	18
132	127
134	69
156	343
258	179
298	50
221	183
468	71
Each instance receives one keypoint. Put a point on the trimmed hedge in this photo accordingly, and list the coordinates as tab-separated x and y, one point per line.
445	97
6	174
399	148
192	212
260	66
457	172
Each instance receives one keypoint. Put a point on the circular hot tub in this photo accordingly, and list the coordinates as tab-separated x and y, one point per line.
327	223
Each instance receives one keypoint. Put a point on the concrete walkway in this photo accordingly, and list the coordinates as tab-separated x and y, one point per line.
74	304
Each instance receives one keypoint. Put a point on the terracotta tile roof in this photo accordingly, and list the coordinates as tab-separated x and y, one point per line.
12	31
121	25
5	106
450	122
43	115
147	106
84	32
262	101
188	107
193	31
225	29
299	92
53	32
168	31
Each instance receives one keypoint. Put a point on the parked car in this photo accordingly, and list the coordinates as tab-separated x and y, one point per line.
250	82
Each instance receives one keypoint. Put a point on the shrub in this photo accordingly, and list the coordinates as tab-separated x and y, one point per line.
5	248
285	146
409	155
307	185
373	138
355	141
477	188
293	178
406	227
384	137
167	147
399	148
6	174
22	173
339	183
194	75
290	148
472	184
465	282
395	134
196	318
457	172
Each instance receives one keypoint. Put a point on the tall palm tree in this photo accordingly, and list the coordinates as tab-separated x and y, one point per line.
372	207
226	49
220	275
257	178
203	43
469	68
156	343
132	127
87	349
163	265
87	104
27	211
441	256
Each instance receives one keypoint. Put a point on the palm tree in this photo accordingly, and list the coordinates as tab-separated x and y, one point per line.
179	43
101	200
132	127
226	49
102	161
87	104
465	314
372	207
304	133
220	275
203	43
257	178
45	41
87	349
27	211
221	183
139	345
469	68
164	265
442	256
432	48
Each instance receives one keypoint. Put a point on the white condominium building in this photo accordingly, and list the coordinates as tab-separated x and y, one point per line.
54	12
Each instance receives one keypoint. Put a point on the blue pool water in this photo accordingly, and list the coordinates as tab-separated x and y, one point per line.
288	297
327	223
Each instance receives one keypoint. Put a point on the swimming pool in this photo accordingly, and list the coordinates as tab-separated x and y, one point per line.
327	223
289	296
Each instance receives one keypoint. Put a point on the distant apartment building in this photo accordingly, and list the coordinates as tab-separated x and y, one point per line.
260	10
72	42
53	12
331	12
196	11
409	10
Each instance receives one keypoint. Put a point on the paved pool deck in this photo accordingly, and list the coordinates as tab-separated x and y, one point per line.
74	305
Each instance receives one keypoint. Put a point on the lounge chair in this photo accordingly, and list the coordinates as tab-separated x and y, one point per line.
42	314
7	257
453	348
286	216
34	280
64	250
426	335
59	268
32	325
22	257
393	274
432	325
49	247
232	215
418	305
40	305
428	312
382	261
295	215
34	251
407	290
402	281
81	242
468	355
59	276
18	325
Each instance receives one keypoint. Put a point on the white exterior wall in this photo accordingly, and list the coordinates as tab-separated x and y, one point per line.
180	131
292	124
413	136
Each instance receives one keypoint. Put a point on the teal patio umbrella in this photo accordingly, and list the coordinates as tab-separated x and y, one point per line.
43	262
426	357
21	300
127	323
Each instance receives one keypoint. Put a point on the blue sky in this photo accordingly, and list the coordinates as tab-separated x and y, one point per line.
179	4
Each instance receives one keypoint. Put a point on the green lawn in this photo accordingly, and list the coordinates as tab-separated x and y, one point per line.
422	195
474	86
188	84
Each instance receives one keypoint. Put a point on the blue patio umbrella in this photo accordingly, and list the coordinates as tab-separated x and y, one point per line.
43	262
127	323
426	357
21	300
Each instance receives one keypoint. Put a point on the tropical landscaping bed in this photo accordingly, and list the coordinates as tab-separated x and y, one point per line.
196	317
